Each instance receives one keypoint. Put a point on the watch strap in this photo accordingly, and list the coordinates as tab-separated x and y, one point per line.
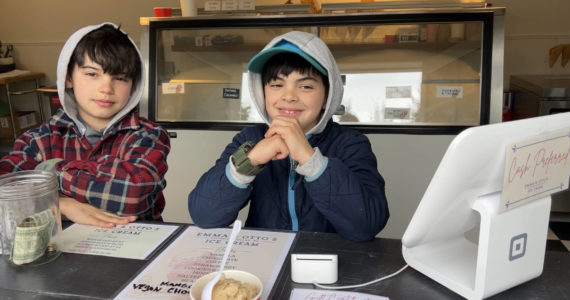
242	163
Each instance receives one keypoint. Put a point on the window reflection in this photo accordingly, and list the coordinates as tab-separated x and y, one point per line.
394	98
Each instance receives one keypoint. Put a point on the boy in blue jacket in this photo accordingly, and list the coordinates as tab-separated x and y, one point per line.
301	171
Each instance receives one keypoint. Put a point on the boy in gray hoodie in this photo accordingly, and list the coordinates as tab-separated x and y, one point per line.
110	163
301	171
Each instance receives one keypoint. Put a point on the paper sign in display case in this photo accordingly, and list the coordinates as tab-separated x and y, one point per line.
405	70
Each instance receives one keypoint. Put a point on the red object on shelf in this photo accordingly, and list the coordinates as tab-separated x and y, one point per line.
389	38
55	100
507	115
162	12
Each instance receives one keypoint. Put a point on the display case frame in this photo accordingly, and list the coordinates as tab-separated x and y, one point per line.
491	71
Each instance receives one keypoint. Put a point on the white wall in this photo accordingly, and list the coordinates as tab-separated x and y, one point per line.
531	29
38	29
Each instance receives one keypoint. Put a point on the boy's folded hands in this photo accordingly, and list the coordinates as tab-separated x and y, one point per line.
289	130
270	148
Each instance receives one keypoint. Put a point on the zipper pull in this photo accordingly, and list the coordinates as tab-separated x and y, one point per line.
294	165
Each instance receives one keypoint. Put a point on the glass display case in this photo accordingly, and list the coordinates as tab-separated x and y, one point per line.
430	71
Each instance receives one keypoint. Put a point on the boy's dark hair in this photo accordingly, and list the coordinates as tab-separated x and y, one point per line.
285	63
112	49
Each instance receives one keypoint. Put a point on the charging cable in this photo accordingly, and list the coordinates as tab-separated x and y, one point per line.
327	287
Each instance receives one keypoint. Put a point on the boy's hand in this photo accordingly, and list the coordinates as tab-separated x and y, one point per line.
270	148
83	213
293	136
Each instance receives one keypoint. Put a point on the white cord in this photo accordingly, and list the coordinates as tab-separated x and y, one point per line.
358	285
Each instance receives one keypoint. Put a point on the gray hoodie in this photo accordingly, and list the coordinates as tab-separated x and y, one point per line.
67	97
318	50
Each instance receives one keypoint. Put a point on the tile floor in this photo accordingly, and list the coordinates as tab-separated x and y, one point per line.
558	236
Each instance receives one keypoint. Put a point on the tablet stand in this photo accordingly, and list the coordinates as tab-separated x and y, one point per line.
509	251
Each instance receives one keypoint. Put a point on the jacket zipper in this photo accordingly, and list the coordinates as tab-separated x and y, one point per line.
291	196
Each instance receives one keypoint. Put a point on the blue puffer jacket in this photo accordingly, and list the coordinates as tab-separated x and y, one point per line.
347	198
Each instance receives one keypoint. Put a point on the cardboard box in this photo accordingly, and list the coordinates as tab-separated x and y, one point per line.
229	4
24	120
246	5
212	5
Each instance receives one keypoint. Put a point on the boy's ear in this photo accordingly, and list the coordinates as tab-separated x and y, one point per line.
68	83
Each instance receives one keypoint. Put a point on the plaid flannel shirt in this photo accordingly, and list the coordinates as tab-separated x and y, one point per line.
123	173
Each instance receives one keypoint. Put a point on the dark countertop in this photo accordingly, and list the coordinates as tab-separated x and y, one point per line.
76	276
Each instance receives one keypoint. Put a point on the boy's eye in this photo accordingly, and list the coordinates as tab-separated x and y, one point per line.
275	84
122	78
91	74
306	85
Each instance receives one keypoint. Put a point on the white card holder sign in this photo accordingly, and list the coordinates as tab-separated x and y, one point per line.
535	168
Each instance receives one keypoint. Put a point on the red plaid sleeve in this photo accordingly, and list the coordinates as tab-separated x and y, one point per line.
124	175
21	157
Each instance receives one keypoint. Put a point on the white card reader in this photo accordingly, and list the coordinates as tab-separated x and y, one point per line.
309	268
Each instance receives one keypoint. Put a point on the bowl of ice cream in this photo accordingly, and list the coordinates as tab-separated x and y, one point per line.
233	284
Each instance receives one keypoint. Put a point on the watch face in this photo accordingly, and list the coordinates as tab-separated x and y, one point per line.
247	147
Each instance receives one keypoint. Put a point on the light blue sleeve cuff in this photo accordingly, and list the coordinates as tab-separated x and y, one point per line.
314	167
239	180
48	165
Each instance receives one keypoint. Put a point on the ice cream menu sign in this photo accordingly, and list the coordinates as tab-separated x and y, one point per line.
134	240
536	168
197	252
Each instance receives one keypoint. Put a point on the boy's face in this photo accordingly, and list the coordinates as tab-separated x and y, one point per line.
298	96
99	95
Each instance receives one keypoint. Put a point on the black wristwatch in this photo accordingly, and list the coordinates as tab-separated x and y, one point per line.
242	162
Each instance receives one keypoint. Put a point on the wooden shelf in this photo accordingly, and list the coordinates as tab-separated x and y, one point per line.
218	48
343	46
22	77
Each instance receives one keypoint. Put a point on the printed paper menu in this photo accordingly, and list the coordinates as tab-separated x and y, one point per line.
197	252
134	240
310	294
